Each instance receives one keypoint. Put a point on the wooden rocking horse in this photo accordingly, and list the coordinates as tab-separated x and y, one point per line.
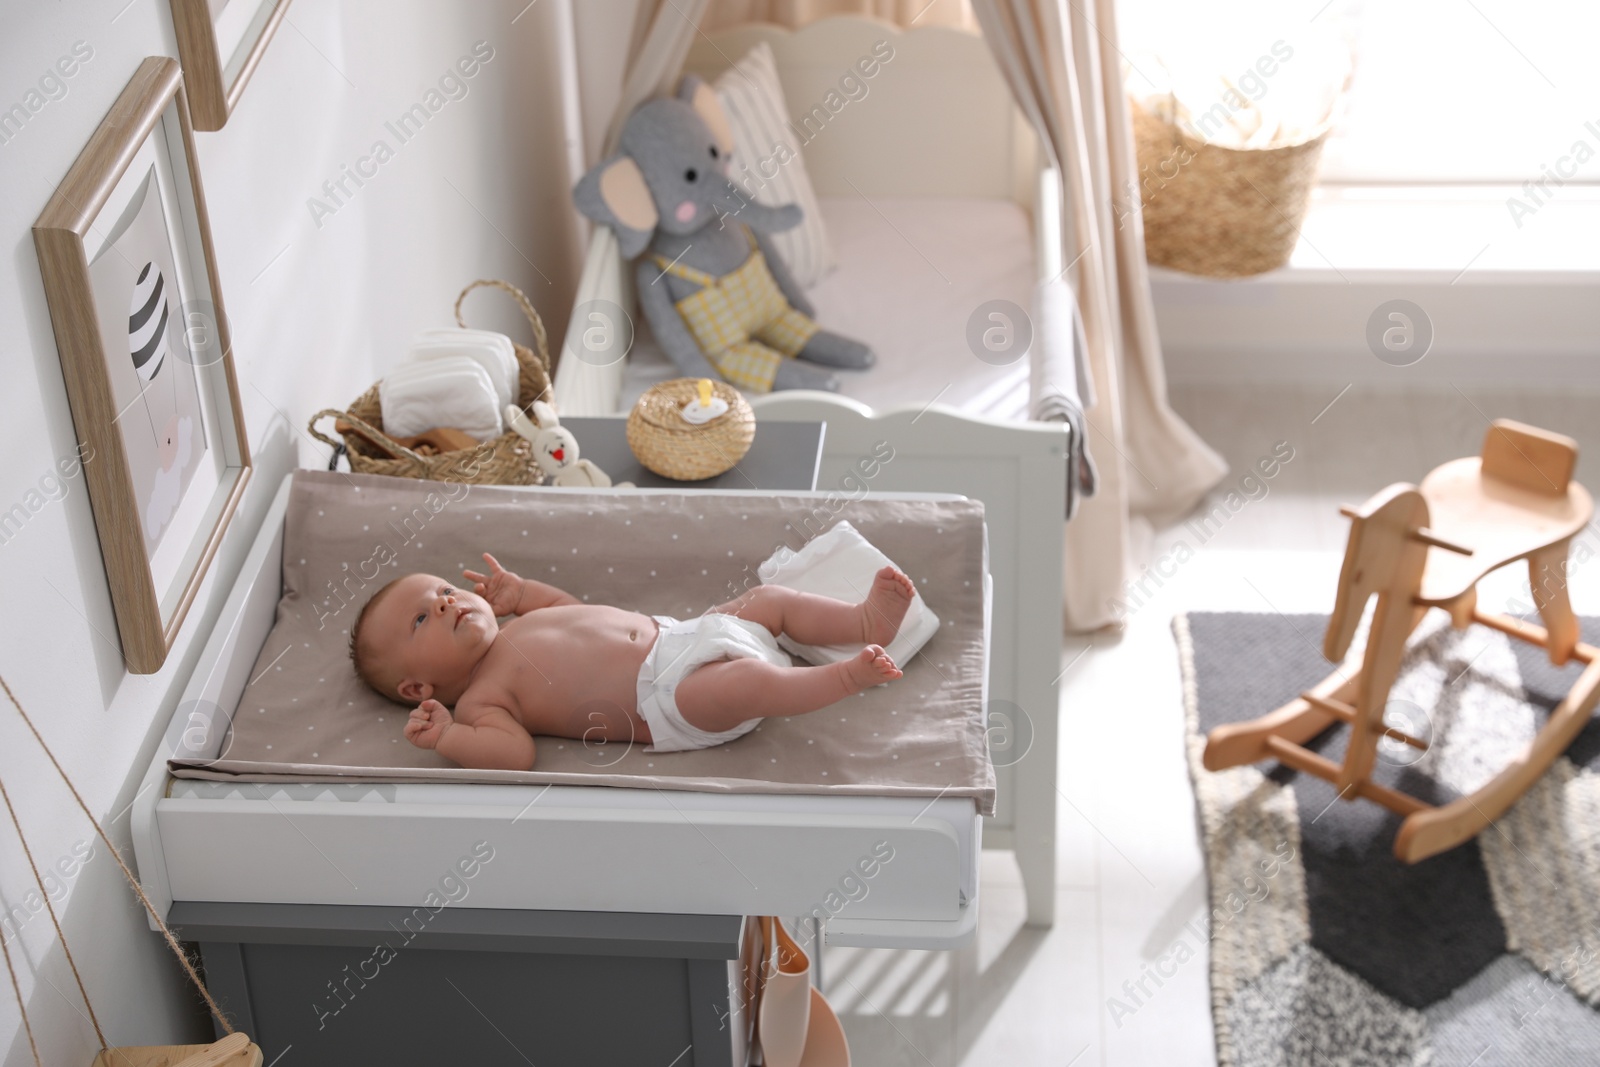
1428	546
233	1050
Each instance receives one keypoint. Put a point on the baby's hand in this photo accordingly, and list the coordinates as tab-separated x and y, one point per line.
501	588
428	724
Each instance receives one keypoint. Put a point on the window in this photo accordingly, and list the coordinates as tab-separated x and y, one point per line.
1487	91
1440	91
1461	120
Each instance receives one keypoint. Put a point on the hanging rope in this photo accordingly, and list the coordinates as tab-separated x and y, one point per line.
5	946
166	932
54	921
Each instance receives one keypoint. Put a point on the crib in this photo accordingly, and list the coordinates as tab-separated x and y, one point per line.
936	200
932	192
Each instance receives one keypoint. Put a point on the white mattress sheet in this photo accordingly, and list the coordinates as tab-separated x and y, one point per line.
912	274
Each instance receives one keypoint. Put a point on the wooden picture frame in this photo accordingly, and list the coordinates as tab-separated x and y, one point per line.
129	273
220	43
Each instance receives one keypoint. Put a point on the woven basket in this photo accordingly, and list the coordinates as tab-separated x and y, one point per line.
506	460
671	446
1219	211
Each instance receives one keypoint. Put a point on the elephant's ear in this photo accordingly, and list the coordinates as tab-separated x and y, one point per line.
614	192
700	96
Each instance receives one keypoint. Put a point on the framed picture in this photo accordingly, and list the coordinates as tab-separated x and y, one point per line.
220	43
125	253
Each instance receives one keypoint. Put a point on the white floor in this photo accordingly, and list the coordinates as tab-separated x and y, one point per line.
1130	872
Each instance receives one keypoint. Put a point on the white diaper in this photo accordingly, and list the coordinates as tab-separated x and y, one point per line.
680	648
491	351
454	391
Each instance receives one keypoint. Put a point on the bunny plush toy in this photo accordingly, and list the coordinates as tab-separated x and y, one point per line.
718	297
556	450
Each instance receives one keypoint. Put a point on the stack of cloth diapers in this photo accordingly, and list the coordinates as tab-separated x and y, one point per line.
455	377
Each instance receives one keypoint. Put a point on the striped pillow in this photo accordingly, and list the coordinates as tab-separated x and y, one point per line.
753	99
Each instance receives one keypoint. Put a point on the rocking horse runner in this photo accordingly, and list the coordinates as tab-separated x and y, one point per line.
1421	547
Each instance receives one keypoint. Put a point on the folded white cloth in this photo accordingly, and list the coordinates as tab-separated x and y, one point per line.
842	564
491	350
452	391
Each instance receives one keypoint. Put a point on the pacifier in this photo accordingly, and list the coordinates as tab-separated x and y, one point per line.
706	407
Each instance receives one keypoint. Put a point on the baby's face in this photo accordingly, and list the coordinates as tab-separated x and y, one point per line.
432	633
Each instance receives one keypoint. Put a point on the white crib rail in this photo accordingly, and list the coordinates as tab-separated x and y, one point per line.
588	376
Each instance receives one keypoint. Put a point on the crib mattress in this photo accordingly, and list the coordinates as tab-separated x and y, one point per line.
305	716
913	273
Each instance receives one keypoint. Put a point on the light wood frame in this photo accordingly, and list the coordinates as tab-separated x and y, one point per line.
212	97
152	102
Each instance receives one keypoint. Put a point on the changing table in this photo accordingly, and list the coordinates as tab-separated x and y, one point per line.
289	885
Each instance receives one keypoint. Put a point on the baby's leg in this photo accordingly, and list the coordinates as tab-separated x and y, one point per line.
719	696
822	620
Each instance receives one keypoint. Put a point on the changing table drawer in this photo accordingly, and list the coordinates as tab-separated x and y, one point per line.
316	984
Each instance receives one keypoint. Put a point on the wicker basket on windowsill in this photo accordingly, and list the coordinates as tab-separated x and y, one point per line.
1216	210
506	460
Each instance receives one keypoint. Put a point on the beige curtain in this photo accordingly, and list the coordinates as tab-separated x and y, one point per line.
663	30
1062	61
796	13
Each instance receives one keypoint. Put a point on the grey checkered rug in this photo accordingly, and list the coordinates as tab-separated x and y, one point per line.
1328	952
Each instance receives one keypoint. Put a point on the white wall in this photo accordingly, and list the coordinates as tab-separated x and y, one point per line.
317	313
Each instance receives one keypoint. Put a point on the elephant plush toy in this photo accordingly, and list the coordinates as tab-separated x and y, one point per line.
720	300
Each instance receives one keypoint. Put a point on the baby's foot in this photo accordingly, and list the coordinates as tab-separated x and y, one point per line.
867	668
885	606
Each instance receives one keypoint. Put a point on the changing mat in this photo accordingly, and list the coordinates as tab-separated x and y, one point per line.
306	717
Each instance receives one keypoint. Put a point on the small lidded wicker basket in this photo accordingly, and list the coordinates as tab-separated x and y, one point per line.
506	460
673	447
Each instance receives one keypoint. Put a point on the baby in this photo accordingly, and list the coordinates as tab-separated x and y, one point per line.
570	669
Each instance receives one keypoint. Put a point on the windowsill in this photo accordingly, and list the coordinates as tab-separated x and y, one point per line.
1451	234
1503	305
